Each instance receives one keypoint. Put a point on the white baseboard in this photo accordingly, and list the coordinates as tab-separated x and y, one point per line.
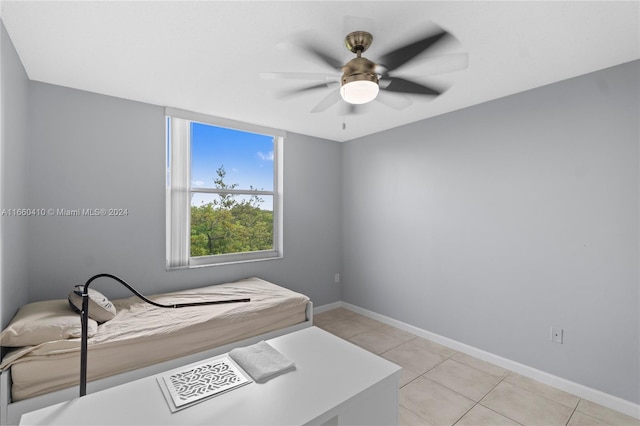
328	307
610	401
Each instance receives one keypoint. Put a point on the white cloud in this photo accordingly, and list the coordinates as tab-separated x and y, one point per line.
266	157
197	183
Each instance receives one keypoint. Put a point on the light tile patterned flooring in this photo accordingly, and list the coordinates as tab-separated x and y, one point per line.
443	387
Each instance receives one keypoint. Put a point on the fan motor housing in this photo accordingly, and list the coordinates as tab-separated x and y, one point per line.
358	41
359	69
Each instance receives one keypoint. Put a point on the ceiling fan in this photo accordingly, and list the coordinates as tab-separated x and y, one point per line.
363	80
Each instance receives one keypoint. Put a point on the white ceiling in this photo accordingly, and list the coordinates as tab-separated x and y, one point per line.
207	56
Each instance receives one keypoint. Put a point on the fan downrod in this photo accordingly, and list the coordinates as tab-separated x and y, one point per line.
358	41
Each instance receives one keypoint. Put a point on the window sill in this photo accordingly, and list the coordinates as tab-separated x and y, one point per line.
224	260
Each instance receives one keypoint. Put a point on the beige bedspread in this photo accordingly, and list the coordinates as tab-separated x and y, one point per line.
142	334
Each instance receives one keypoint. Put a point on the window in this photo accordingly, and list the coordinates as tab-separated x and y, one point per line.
224	191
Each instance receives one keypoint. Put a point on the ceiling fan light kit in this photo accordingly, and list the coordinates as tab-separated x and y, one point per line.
359	82
359	92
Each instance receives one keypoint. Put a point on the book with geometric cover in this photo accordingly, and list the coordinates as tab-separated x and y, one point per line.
183	388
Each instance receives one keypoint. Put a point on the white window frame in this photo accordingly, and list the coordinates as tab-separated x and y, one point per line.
178	191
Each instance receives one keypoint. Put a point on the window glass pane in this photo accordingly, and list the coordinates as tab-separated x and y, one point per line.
222	224
230	158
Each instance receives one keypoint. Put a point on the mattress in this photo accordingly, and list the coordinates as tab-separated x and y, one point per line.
142	334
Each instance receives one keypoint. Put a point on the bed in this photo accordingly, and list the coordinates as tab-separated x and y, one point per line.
142	339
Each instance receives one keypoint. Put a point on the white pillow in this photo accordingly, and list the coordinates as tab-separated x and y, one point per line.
40	322
100	308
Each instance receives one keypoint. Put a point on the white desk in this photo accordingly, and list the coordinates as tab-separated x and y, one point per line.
335	383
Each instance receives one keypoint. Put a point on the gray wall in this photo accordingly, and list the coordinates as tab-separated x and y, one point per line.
14	97
491	224
94	151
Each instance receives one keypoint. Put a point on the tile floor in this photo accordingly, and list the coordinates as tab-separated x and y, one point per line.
442	387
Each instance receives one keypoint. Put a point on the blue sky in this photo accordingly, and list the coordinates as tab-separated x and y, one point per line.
247	158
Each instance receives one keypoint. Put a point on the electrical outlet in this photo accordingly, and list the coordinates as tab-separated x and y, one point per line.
556	334
336	278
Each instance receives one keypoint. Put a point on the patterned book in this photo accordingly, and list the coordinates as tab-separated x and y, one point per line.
183	388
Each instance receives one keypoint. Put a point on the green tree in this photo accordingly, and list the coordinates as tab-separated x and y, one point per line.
229	225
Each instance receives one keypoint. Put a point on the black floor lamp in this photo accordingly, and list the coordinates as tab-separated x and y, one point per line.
85	319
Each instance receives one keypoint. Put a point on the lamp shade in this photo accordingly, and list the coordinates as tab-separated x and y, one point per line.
359	92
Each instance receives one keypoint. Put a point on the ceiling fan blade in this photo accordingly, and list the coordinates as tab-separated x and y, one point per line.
326	58
305	44
383	83
398	57
332	98
299	76
302	90
442	64
323	56
353	109
397	101
401	85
